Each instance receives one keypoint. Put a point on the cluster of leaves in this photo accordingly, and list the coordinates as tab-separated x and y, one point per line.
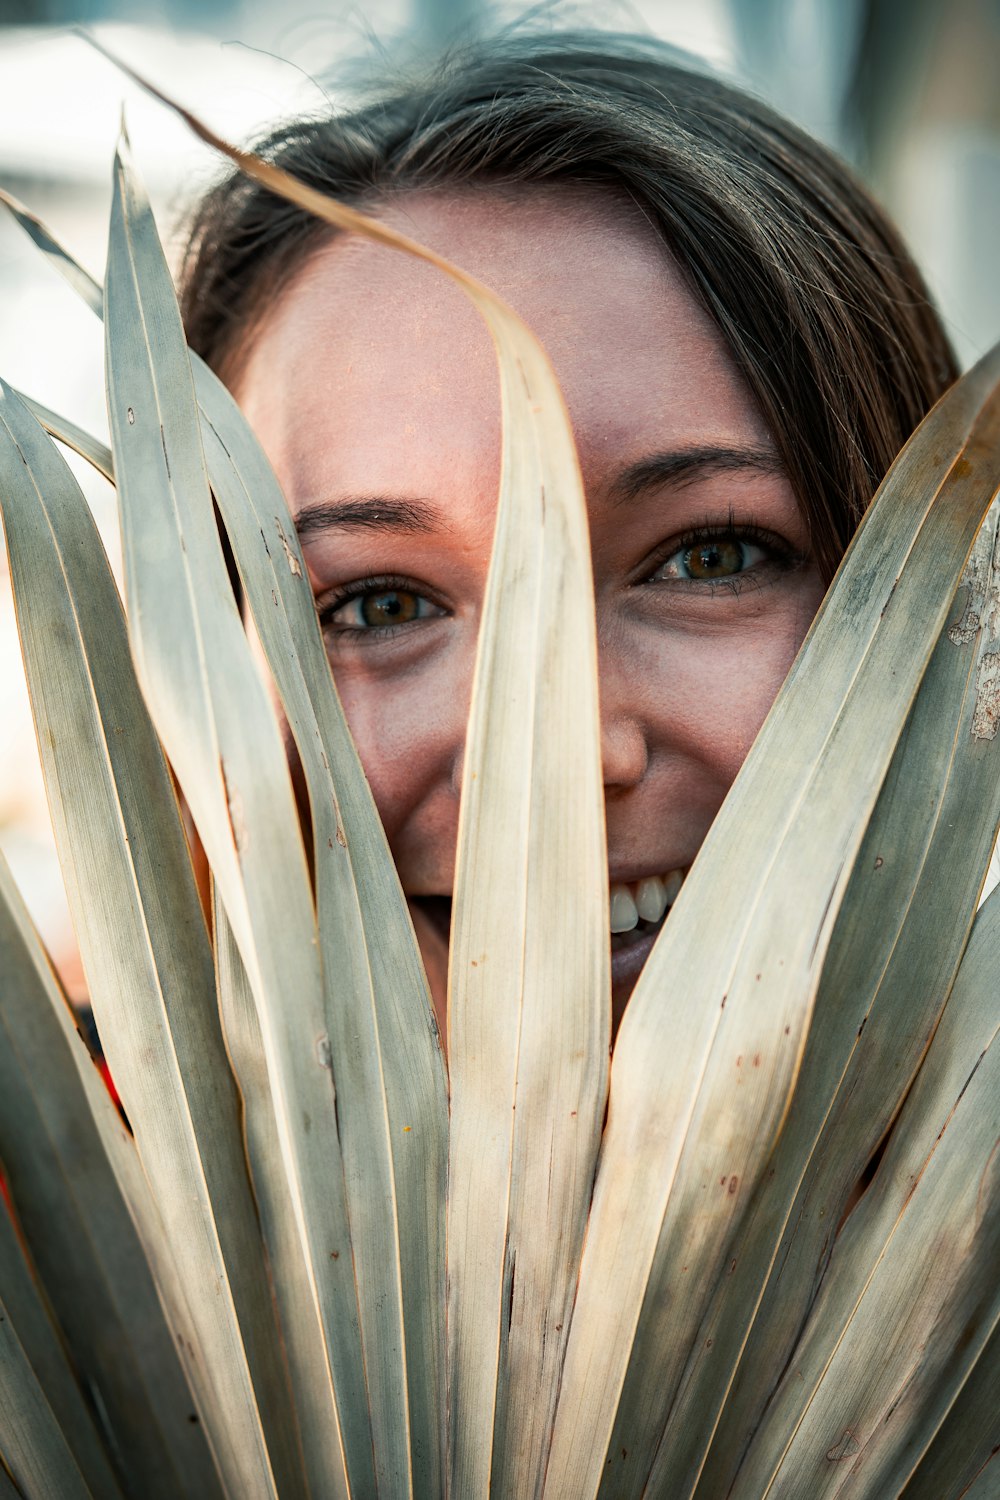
316	1262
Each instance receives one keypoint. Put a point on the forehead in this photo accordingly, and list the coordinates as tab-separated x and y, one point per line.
372	358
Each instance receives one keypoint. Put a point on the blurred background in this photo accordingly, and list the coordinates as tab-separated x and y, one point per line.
906	89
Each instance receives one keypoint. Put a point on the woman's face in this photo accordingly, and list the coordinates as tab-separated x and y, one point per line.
372	385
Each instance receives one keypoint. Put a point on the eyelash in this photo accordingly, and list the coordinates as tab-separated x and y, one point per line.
382	583
781	556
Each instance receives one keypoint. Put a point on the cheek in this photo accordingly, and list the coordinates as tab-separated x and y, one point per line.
734	696
715	689
410	733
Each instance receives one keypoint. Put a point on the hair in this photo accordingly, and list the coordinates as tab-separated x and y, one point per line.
822	308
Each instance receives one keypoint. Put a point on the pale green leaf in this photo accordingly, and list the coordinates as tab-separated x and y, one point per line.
907	912
61	1138
727	992
964	1459
912	1296
528	1044
80	280
387	1064
92	449
44	1352
346	836
143	943
220	731
34	1450
546	1157
307	1358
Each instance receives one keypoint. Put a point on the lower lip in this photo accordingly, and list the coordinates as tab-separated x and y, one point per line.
627	962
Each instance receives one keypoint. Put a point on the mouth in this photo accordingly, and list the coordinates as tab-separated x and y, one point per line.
638	909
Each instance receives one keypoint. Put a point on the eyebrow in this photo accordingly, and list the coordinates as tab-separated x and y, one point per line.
374	513
383	513
685	465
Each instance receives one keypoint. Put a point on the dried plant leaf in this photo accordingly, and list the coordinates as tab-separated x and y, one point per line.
728	989
387	1064
142	938
44	1353
323	1454
80	280
34	1451
964	1458
546	1152
353	869
912	1297
896	948
63	1143
68	433
220	731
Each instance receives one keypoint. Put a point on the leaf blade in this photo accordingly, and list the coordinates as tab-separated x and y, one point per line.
135	909
63	1143
523	365
214	719
907	912
900	1332
814	761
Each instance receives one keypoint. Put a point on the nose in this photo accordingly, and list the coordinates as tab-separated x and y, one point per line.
624	753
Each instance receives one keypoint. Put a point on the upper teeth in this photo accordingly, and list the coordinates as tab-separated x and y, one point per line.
647	898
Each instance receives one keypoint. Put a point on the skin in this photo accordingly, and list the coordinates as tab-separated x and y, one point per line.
371	381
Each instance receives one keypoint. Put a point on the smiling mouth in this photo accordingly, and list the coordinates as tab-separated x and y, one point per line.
638	909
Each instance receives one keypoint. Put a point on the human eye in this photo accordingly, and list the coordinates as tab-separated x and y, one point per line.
376	608
728	555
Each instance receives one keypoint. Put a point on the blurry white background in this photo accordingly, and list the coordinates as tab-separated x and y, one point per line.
907	89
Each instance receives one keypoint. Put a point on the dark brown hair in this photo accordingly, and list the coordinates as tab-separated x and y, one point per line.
824	311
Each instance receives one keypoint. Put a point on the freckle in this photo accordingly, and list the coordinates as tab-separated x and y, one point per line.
329	843
334	1254
734	1183
756	1059
739	1061
788	1031
474	964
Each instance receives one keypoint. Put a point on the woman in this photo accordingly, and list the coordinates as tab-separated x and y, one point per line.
744	346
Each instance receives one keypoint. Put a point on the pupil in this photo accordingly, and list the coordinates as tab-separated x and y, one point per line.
715	560
391	608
